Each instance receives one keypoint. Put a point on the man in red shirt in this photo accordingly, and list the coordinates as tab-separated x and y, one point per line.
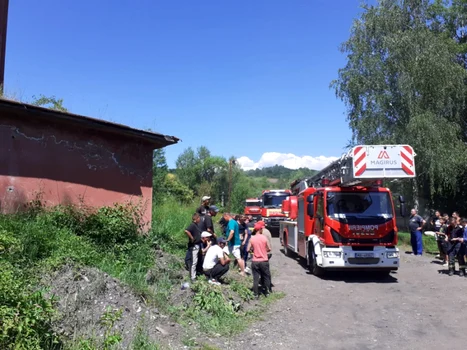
259	246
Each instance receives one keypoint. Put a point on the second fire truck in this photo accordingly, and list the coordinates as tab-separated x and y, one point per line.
342	217
271	208
253	208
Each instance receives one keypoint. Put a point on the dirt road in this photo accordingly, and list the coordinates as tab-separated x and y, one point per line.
418	307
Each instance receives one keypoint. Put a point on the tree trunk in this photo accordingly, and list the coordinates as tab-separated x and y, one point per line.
415	194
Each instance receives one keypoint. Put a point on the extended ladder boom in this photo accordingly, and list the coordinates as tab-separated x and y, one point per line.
363	164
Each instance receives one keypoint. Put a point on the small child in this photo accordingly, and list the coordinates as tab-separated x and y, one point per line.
441	239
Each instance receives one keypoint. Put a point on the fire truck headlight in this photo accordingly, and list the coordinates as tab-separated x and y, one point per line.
331	254
392	255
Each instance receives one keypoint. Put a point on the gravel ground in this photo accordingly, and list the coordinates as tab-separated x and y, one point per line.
418	307
84	294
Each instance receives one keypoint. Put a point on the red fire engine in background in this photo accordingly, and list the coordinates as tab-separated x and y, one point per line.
253	208
271	208
342	217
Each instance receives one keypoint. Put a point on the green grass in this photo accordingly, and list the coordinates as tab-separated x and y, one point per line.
40	241
169	223
429	243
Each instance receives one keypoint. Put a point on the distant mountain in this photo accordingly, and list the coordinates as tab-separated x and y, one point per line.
280	172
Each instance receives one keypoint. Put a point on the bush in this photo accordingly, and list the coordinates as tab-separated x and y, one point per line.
24	316
170	220
119	224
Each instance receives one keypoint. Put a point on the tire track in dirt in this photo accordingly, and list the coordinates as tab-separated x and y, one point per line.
418	307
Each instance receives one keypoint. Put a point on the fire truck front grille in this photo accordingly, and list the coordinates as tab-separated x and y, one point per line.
363	261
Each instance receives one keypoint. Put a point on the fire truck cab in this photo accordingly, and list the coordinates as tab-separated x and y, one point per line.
253	208
271	208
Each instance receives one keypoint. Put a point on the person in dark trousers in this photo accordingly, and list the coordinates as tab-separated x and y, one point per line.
416	223
193	233
456	248
246	240
216	262
442	241
259	246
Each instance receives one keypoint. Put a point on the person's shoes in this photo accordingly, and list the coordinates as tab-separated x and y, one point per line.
247	270
213	281
462	272
445	264
451	272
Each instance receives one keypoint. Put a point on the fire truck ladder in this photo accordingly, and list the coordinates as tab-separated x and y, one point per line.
363	165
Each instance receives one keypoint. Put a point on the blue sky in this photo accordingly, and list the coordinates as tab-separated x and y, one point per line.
244	78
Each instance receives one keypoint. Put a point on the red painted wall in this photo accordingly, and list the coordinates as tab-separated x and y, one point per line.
64	163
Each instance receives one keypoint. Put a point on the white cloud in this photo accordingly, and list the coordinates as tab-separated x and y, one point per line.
289	160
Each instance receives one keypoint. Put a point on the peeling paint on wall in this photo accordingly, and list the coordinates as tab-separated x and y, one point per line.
69	164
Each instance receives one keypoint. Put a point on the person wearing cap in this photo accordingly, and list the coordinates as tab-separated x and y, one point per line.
205	241
216	262
204	207
205	244
260	247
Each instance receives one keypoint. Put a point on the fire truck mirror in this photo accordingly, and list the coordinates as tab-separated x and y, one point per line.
402	209
401	199
309	210
321	221
310	198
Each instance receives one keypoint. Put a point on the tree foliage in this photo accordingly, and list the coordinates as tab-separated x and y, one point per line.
50	102
405	82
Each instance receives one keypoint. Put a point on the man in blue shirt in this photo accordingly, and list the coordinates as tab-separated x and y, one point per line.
415	225
233	237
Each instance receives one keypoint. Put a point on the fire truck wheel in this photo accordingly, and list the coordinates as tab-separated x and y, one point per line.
313	265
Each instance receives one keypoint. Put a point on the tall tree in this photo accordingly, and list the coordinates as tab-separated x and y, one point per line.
159	173
403	83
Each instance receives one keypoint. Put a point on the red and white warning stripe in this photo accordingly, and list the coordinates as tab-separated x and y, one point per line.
407	160
359	160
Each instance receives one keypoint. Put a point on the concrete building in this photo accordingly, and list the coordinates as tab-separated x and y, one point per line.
63	158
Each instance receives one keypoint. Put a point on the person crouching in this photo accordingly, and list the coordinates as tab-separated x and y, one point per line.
259	246
216	262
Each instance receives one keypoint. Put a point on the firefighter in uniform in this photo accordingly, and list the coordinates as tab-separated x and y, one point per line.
456	248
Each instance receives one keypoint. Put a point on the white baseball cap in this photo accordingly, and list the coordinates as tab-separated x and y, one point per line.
205	198
206	234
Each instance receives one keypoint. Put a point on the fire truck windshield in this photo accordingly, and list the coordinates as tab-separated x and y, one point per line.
273	200
348	205
252	203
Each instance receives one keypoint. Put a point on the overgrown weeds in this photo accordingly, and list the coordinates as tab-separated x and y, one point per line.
40	241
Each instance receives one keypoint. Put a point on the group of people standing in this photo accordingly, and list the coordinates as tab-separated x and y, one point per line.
450	233
210	253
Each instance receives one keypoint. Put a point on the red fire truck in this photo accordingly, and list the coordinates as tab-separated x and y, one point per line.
342	217
271	208
253	208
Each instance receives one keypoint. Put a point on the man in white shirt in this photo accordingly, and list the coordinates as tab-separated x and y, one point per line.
216	262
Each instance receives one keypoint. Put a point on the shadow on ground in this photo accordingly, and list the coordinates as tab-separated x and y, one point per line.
349	276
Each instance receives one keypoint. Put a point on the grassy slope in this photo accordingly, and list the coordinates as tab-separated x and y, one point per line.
42	241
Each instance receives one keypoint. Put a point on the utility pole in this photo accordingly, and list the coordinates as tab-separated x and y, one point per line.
3	29
232	161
